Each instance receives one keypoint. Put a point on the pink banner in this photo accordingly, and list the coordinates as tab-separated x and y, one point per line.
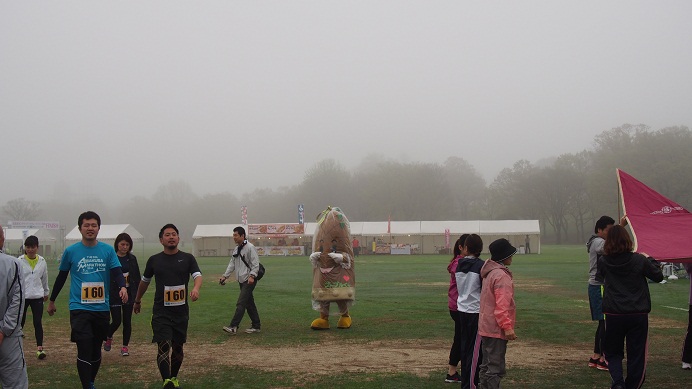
661	227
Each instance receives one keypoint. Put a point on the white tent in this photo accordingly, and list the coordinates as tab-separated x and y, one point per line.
429	236
14	240
107	233
211	240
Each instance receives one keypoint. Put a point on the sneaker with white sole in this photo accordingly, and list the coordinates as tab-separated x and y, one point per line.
252	330
124	351
231	330
686	366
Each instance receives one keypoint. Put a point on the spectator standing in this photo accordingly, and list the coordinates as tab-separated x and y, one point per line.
626	305
468	276
35	276
497	313
12	363
453	294
356	247
594	247
687	343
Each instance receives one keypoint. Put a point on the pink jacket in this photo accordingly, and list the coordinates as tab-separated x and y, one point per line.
453	292
498	311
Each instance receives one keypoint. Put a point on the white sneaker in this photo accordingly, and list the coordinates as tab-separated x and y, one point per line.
686	366
231	330
252	331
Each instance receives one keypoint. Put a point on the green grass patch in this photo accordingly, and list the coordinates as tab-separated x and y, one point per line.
399	299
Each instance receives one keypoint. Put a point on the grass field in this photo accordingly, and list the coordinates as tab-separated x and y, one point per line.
400	336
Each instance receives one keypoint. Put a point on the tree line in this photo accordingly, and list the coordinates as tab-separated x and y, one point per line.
565	193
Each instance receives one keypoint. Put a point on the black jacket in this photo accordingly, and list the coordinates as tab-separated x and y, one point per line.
625	288
134	278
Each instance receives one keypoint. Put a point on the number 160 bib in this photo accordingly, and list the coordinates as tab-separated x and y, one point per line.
173	295
93	293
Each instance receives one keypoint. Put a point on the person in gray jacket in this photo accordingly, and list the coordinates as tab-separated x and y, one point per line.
245	263
12	364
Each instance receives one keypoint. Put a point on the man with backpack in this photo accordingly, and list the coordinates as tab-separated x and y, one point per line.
245	262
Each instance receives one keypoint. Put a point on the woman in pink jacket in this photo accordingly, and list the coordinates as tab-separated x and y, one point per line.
498	313
455	351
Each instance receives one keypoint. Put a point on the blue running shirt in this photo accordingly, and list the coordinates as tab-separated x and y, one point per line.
90	270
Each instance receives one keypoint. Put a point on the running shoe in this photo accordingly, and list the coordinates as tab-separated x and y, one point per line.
602	365
686	366
124	351
231	330
107	344
593	362
175	382
40	354
168	384
454	378
252	330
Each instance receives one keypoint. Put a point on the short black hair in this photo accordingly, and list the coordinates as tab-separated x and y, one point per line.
474	245
167	226
602	223
122	236
88	215
31	241
240	230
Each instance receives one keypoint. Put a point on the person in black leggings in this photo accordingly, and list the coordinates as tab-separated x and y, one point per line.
122	313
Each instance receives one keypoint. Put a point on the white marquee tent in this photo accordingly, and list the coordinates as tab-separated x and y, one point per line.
107	233
428	235
14	239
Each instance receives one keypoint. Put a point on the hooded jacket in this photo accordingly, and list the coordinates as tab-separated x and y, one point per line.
625	289
453	293
498	311
11	296
35	280
469	282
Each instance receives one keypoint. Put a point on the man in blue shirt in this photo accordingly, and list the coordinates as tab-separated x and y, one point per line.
91	265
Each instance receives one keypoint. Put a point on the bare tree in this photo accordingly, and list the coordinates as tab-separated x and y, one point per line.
22	209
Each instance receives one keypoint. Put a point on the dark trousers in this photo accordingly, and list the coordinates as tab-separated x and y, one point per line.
455	351
37	313
121	313
471	354
246	301
687	345
598	339
634	328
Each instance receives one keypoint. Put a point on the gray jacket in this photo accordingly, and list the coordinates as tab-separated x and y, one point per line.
242	273
11	296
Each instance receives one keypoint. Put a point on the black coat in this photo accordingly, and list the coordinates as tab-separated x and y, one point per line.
625	286
134	279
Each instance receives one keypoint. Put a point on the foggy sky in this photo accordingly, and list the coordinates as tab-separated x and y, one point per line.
114	99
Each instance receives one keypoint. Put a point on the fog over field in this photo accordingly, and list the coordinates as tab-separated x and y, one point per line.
114	99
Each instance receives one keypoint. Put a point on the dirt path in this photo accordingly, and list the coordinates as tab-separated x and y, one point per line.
419	358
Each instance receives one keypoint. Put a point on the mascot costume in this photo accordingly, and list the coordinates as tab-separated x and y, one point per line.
333	279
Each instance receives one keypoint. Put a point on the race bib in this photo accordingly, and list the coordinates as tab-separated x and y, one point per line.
127	279
93	293
173	295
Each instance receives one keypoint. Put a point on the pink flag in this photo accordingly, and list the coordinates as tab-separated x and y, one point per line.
661	227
